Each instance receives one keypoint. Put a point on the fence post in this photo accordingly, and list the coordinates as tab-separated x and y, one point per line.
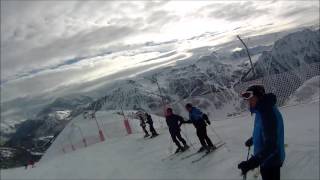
127	126
101	135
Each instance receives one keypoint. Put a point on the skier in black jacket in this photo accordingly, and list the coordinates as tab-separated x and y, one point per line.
174	122
142	118
150	122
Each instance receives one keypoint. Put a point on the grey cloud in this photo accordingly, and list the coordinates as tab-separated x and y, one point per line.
296	10
44	82
161	17
75	46
42	36
156	16
157	19
151	5
233	11
20	14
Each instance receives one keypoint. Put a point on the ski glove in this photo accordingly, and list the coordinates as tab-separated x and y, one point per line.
245	166
249	142
206	118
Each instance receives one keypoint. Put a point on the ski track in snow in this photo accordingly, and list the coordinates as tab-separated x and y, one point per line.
130	158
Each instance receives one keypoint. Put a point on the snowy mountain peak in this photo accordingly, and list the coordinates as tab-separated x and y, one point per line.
291	51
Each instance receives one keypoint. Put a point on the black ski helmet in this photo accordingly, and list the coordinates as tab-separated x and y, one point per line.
258	90
188	105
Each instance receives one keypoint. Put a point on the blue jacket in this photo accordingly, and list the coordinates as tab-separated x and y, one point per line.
268	133
195	114
196	117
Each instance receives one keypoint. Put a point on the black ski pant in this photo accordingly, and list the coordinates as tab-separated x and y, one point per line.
152	130
144	128
270	173
203	137
177	135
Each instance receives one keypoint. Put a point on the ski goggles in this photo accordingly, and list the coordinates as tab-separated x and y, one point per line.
247	95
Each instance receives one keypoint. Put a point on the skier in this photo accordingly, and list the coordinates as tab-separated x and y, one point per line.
150	122
268	134
174	122
200	121
141	117
31	163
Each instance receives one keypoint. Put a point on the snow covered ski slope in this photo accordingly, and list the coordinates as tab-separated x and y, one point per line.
132	157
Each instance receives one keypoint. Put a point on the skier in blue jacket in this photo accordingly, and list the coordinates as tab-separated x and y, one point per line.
200	121
268	134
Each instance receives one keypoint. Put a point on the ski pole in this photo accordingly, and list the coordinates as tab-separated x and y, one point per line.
187	138
170	148
220	139
245	175
212	129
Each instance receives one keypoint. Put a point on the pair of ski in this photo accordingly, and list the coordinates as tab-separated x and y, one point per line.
217	145
173	156
195	153
151	137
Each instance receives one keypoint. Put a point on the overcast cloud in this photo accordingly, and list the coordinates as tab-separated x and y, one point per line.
50	44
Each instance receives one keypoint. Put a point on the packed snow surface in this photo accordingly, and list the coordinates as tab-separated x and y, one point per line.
132	157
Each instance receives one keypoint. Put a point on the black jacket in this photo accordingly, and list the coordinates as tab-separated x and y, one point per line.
174	122
149	119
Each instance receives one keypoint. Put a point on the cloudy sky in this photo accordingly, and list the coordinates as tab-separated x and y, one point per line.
46	45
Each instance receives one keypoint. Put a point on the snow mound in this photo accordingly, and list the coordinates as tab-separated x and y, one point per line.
307	92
